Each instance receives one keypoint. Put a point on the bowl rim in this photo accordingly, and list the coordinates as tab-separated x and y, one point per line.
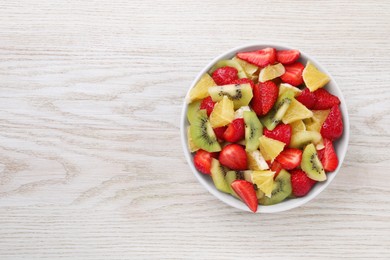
227	198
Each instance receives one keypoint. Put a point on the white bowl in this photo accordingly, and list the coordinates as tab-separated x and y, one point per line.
340	145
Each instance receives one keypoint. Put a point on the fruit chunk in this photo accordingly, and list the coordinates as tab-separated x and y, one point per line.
235	131
230	177
301	183
259	58
311	164
202	134
276	167
200	91
240	112
192	110
218	175
253	130
223	113
256	161
234	157
315	123
280	191
290	158
207	104
264	181
241	95
333	127
270	148
229	63
249	69
281	133
324	100
202	161
219	131
287	56
307	98
293	74
296	111
224	75
246	192
283	87
313	78
302	138
297	126
264	97
273	118
271	72
191	145
328	156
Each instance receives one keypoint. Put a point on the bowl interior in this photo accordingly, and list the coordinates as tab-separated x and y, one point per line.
340	145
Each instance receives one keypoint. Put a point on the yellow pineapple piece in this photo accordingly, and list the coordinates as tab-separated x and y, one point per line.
283	87
223	113
249	69
297	126
313	78
256	161
200	90
315	123
270	148
264	181
296	111
191	145
271	72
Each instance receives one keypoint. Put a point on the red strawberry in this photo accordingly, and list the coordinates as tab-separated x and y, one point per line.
207	104
264	97
234	157
333	127
328	156
219	131
225	75
307	98
246	192
293	74
259	58
290	158
202	161
287	57
281	132
301	184
276	167
244	81
324	100
235	131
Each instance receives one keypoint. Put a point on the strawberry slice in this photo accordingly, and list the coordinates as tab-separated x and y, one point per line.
333	127
235	131
219	131
328	156
293	74
244	81
264	97
307	98
301	184
246	192
324	100
225	75
259	58
287	57
234	157
276	167
290	158
207	104
202	161
281	133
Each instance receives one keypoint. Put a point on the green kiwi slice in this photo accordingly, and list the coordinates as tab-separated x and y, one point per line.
311	164
253	130
274	117
218	175
240	94
202	133
281	189
193	108
231	63
302	138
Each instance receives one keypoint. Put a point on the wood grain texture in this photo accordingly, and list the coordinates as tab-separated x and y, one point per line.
91	164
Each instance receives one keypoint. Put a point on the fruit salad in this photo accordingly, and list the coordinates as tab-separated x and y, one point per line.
263	126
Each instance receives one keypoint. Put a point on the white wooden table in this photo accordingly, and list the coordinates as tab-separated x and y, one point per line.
91	164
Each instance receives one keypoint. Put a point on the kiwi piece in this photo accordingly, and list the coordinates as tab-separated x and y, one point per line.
311	164
274	117
231	63
218	175
193	108
281	189
240	94
253	131
232	176
202	133
302	138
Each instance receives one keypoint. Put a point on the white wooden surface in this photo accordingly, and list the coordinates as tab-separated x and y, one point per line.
91	164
